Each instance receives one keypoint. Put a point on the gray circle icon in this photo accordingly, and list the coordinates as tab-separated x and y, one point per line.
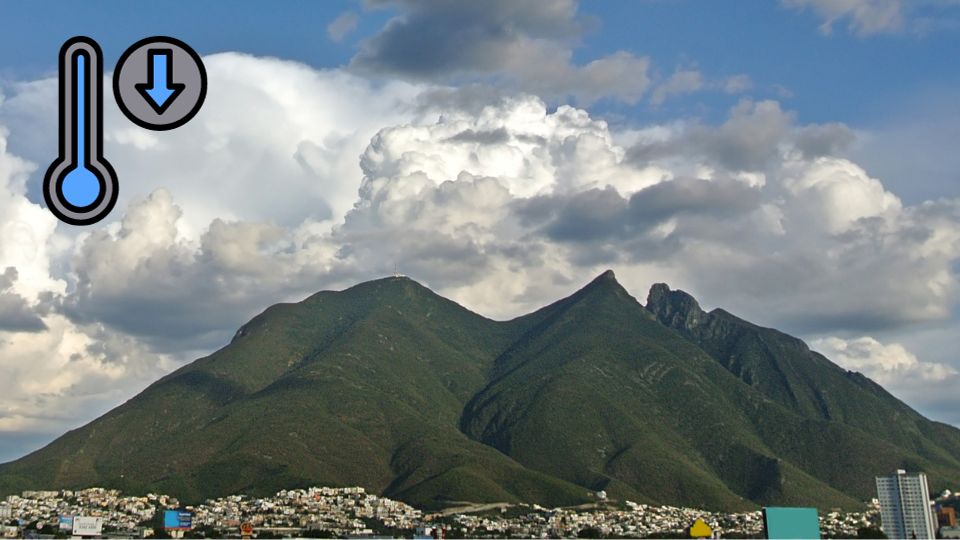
160	83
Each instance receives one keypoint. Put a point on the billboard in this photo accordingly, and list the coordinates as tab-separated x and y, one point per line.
175	520
87	526
798	523
66	523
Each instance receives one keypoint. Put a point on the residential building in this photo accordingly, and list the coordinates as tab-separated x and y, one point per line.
906	510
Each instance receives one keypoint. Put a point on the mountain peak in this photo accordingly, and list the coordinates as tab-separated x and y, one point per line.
676	309
606	277
607	281
396	282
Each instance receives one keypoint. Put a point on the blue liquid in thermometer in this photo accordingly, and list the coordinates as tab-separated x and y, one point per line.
81	186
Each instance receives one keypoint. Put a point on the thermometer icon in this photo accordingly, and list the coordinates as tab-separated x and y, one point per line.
80	186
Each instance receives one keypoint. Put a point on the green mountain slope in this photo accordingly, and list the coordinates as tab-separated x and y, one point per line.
361	387
848	418
602	395
389	386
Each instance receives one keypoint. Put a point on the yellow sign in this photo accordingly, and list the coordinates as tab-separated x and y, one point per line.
699	529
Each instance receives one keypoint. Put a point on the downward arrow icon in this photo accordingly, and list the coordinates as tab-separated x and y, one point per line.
160	91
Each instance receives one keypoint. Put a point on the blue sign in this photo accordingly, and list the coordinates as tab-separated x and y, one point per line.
798	523
66	523
175	520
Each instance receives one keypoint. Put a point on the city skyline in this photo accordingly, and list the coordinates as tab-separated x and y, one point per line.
353	511
790	162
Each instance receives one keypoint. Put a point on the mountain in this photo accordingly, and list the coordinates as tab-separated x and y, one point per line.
390	386
847	417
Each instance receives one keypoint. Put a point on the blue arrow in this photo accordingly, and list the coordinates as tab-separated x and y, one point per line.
160	91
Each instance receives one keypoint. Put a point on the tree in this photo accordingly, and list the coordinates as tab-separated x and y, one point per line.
590	532
870	532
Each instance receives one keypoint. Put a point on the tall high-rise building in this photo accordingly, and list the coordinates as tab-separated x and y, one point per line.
905	507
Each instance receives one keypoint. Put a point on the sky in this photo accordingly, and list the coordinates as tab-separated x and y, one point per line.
790	161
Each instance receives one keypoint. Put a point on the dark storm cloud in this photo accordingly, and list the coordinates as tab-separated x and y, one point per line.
717	198
750	140
8	277
646	152
495	136
169	320
521	45
433	38
823	140
472	98
589	215
15	314
603	214
747	141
